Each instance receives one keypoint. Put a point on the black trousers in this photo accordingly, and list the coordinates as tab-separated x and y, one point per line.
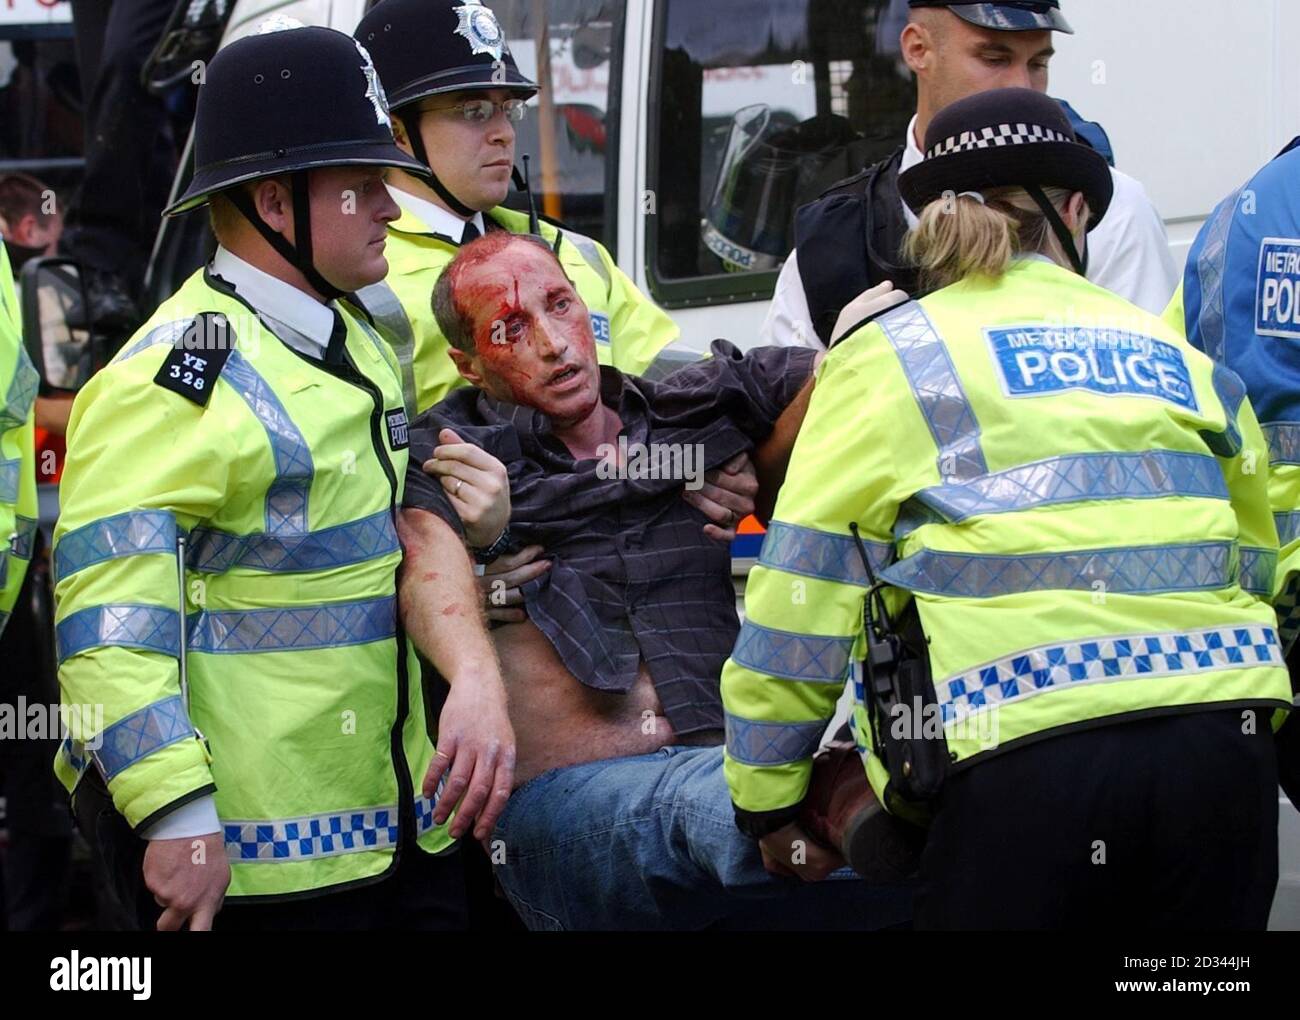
1158	824
425	893
130	152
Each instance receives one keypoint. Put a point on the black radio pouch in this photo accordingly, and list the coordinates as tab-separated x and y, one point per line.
906	728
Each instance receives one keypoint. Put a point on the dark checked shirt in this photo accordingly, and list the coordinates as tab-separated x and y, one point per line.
633	577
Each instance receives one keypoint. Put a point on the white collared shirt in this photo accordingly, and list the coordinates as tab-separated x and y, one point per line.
435	217
1128	254
912	155
293	315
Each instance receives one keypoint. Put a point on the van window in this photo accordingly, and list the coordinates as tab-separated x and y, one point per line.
571	130
756	109
573	177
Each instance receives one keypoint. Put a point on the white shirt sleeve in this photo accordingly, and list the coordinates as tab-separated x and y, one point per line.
789	322
1128	253
197	818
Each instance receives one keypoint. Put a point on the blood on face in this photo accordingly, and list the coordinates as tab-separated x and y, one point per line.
533	343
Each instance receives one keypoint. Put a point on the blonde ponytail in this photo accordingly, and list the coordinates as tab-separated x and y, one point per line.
960	236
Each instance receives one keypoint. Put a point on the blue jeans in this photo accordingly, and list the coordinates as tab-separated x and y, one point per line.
650	842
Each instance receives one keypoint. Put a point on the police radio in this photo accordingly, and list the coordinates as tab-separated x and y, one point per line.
898	693
523	182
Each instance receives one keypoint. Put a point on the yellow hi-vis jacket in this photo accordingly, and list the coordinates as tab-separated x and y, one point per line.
1075	497
630	329
301	679
18	385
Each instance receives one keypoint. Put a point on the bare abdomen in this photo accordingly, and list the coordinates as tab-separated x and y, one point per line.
558	721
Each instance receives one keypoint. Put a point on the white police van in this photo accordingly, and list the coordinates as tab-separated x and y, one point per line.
684	134
672	123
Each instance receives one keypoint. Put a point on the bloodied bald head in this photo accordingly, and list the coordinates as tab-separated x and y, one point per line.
517	327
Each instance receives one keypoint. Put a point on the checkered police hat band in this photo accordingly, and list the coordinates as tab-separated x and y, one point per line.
995	136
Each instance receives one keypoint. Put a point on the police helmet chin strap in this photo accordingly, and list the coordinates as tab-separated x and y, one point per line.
298	254
1079	262
410	118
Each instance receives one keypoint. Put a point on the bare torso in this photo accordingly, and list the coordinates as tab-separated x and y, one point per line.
558	721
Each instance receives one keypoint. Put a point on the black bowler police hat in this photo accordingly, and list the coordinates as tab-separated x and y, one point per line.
1012	16
1006	138
289	98
427	47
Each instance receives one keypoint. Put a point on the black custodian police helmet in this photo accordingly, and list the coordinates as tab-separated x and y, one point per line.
288	98
424	48
1010	16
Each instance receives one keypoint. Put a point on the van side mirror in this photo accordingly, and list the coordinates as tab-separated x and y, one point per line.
56	322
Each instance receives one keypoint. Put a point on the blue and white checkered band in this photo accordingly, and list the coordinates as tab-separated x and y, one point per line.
996	136
1035	671
324	835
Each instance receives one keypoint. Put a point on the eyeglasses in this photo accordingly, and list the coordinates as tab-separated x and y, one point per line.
480	111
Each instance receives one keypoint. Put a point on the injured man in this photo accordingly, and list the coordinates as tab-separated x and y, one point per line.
620	816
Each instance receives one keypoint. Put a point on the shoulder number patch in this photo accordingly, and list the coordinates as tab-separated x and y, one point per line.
197	357
1038	361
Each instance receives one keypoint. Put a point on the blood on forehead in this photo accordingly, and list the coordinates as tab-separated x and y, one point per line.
489	248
